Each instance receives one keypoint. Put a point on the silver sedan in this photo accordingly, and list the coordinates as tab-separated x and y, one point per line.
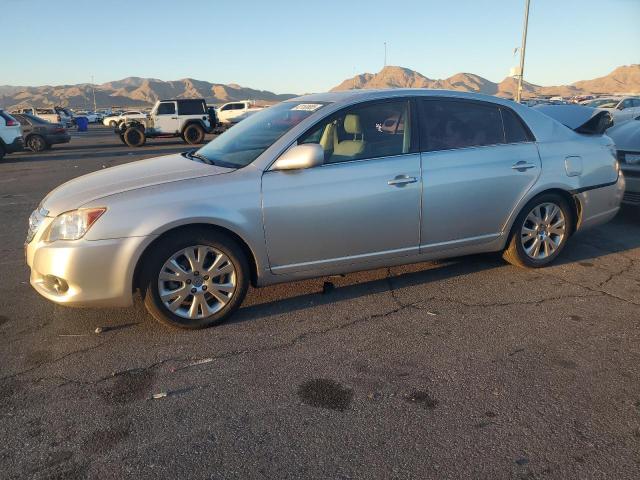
320	185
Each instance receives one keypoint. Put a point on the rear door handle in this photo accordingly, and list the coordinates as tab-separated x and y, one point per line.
401	180
521	166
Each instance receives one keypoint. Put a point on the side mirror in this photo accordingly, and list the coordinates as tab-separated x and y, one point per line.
300	157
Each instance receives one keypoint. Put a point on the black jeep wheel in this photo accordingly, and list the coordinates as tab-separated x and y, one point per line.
134	137
193	134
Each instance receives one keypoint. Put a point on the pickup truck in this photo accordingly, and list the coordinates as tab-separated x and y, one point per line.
232	112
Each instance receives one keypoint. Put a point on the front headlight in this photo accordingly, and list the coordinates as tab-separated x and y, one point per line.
74	224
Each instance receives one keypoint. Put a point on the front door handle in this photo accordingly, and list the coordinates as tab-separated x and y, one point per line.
521	166
401	180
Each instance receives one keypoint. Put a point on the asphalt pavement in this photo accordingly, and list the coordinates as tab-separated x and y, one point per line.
467	368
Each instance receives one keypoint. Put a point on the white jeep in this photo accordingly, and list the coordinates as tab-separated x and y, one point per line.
188	119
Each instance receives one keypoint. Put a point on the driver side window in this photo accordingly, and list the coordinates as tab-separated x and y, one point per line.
371	130
168	108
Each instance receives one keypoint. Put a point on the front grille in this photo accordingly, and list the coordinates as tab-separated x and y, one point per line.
621	154
632	198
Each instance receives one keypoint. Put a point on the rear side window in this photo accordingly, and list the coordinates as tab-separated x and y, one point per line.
191	107
450	124
514	130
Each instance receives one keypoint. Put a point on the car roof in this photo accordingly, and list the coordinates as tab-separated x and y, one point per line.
348	96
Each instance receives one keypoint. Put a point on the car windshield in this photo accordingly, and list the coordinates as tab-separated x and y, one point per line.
242	144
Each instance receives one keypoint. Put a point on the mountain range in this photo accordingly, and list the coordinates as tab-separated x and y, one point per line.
142	92
130	92
624	79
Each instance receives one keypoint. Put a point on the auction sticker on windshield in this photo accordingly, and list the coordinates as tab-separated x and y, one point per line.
308	107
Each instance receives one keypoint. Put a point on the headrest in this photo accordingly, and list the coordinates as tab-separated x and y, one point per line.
352	124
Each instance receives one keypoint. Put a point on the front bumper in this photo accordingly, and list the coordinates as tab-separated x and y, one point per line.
632	192
94	273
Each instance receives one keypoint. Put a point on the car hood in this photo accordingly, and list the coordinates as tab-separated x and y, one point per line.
626	135
144	173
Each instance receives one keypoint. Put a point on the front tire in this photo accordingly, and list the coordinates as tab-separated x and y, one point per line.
193	134
194	279
134	137
540	232
113	124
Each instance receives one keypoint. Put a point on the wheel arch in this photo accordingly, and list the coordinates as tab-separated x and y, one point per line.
251	258
572	201
193	121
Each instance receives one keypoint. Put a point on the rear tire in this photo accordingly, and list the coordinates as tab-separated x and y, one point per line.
134	137
36	143
221	279
540	232
193	134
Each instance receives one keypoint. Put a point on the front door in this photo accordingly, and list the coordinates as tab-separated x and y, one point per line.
363	204
165	119
478	161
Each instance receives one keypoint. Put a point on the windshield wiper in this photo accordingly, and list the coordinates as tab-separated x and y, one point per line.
202	158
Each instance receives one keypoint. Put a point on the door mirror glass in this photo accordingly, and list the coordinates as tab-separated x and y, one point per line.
300	157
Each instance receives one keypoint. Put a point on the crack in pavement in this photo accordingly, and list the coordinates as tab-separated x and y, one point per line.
316	333
57	359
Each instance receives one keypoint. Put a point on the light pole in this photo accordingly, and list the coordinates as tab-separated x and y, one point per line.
93	87
522	51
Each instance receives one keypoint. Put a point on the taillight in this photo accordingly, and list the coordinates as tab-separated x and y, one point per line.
12	123
59	130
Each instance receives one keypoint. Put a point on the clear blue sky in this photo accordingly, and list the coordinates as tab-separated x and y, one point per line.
303	46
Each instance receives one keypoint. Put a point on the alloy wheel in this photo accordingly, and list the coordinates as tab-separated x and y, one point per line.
543	231
197	282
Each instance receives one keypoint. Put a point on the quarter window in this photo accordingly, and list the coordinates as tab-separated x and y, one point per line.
450	124
514	130
368	131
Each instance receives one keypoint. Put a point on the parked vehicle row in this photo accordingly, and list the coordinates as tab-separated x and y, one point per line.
320	185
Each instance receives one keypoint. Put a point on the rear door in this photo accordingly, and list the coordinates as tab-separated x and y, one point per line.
478	160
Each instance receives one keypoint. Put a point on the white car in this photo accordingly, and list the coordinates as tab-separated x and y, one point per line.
10	134
233	112
621	108
114	120
90	116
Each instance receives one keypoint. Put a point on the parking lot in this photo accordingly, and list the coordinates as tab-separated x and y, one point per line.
463	368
